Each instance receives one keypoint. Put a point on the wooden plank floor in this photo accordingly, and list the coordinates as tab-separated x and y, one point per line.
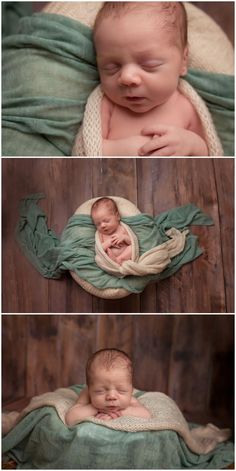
155	185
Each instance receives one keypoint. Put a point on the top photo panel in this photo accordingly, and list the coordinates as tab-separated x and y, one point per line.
118	79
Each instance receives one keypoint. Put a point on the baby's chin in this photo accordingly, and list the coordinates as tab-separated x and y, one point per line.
113	408
138	107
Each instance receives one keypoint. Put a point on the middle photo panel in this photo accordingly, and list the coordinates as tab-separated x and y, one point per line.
118	235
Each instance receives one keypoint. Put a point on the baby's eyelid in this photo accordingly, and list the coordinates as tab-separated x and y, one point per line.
151	64
110	66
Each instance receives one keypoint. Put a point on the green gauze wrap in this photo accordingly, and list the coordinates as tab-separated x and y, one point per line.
49	70
75	250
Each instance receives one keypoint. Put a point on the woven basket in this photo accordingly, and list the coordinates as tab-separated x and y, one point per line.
126	208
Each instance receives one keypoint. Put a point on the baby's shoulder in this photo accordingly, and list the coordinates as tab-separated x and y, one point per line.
134	401
189	111
185	102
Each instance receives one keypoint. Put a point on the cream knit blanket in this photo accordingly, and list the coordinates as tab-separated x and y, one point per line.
151	262
165	416
88	141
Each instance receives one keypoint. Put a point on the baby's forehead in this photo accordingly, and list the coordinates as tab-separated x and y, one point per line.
164	17
104	207
100	364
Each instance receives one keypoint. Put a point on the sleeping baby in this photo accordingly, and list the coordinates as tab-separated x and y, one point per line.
113	236
142	51
108	395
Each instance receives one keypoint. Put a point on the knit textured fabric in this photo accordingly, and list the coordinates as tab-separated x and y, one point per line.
88	141
75	250
165	415
151	262
42	112
39	439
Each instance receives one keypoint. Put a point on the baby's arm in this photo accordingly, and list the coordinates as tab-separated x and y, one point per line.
128	146
118	147
106	244
78	412
136	409
126	237
81	410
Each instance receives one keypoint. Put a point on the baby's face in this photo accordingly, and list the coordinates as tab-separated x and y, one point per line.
138	65
105	220
110	389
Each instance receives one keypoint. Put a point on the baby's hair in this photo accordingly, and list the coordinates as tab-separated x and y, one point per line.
109	358
111	204
174	14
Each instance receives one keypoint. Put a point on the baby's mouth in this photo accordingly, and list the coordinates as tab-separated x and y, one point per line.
134	98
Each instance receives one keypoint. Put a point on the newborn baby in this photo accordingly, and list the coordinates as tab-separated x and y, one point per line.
142	51
113	236
108	395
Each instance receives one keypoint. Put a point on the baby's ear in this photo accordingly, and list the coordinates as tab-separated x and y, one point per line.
184	66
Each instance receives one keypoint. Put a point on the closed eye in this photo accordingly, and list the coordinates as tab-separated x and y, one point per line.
110	68
151	65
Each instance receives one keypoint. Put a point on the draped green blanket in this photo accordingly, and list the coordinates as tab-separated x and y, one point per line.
49	69
42	441
76	248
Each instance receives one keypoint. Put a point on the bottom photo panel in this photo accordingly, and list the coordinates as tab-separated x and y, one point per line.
118	391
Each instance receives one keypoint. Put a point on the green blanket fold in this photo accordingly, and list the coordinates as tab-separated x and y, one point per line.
42	441
75	250
12	12
49	70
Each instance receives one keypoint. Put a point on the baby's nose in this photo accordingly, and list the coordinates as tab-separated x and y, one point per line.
129	76
111	395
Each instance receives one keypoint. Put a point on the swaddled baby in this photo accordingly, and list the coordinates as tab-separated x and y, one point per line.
108	395
142	51
114	238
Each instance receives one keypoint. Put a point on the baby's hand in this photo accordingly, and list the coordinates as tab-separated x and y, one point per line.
108	415
117	240
170	141
103	416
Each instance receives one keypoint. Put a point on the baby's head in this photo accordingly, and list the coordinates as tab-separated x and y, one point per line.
141	51
170	16
109	375
105	215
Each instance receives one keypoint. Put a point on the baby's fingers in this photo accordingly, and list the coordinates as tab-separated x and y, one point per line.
154	144
158	130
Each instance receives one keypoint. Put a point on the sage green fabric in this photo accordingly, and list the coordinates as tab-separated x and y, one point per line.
12	12
48	71
76	248
42	441
217	90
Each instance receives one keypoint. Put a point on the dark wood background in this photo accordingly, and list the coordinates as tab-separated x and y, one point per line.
155	185
222	13
188	357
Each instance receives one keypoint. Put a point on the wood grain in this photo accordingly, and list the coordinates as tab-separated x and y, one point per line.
155	185
222	13
188	357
